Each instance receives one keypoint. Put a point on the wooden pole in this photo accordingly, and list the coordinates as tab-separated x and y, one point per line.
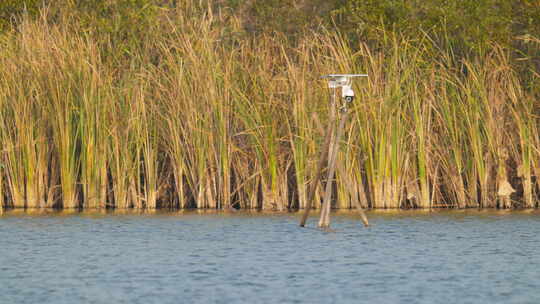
329	153
322	161
349	184
324	220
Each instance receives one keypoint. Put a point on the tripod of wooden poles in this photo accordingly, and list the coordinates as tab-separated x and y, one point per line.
328	157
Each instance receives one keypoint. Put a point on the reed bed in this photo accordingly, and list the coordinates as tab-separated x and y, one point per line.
199	114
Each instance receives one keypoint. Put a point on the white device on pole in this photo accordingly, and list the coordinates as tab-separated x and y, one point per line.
347	93
340	80
343	81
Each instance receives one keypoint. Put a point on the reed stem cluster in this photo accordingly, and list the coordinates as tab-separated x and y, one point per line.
199	114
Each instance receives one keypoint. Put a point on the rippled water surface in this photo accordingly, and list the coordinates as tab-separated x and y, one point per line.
407	257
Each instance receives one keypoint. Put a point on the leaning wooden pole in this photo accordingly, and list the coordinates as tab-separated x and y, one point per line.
320	165
324	220
331	147
349	184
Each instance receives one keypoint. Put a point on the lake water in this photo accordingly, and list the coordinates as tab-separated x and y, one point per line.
405	257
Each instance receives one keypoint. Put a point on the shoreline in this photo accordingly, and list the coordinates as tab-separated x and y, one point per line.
255	213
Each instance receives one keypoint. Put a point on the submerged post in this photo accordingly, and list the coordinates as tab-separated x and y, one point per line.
331	147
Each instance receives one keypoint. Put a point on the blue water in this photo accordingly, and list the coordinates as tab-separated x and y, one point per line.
406	257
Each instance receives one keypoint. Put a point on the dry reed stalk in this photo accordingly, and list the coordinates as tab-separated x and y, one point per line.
201	117
298	125
449	125
93	125
2	194
383	122
24	126
121	158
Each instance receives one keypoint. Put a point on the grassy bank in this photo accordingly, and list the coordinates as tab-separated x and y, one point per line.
190	110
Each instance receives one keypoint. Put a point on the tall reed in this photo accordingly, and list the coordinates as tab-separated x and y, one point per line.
203	114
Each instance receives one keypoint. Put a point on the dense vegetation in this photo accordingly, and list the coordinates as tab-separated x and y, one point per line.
212	104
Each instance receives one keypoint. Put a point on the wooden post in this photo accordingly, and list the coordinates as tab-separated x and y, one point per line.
324	220
330	151
349	185
322	161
